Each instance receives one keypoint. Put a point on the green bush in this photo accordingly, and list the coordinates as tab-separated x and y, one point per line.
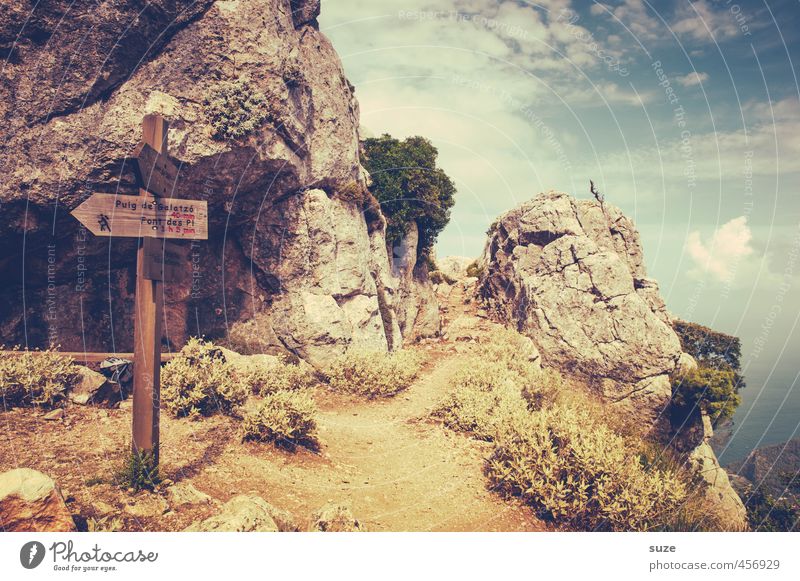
708	389
200	382
235	109
139	470
474	270
40	378
279	375
373	373
284	417
711	348
409	187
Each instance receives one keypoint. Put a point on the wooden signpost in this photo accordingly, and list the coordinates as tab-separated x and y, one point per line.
155	218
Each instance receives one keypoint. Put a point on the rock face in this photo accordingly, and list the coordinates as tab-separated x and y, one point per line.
295	244
32	502
570	274
719	492
416	305
771	467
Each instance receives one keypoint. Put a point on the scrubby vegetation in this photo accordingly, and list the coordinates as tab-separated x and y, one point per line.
283	417
138	471
768	514
439	277
199	381
714	386
710	390
373	373
35	378
280	374
557	448
235	109
409	187
474	269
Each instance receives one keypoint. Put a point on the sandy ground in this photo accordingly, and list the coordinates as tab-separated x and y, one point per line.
396	468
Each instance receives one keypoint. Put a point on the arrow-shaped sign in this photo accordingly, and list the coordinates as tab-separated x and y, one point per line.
144	216
155	171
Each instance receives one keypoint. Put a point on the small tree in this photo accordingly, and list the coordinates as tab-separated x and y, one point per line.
711	390
711	348
409	187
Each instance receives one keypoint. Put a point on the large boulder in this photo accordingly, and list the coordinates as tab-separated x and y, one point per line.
296	242
570	274
30	501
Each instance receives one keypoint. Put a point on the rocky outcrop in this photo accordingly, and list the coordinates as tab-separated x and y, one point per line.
570	274
727	506
775	469
417	306
30	501
295	243
454	266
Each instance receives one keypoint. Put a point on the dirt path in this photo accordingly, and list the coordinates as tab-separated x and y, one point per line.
397	469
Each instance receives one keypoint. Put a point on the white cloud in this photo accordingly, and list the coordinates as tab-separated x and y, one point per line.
721	255
692	79
699	21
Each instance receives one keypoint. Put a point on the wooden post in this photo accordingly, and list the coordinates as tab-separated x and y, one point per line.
148	316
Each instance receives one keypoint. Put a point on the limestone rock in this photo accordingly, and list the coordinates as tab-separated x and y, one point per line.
30	501
93	388
147	505
570	275
335	518
686	364
54	415
416	306
454	266
186	494
728	506
288	226
245	513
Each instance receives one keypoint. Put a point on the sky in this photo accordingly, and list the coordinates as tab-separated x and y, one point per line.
685	114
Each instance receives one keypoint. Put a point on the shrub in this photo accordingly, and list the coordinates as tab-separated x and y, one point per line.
284	417
373	373
554	446
248	337
711	390
139	470
36	378
474	270
577	472
200	382
235	109
410	187
711	348
766	514
279	375
439	277
485	396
